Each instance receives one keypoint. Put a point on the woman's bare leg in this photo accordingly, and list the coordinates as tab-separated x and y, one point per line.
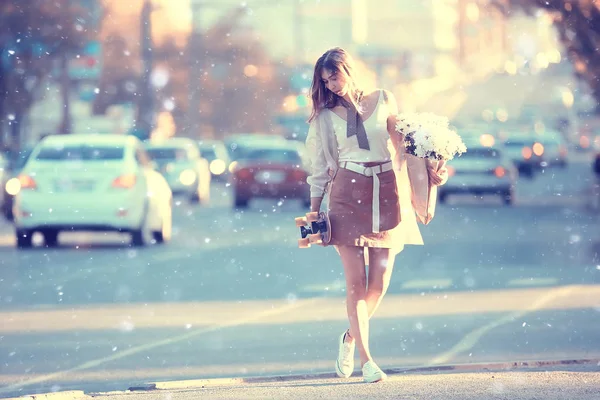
356	289
381	265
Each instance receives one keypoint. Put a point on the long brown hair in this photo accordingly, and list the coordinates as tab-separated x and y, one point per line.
338	61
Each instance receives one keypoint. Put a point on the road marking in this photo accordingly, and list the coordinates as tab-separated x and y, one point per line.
427	284
532	282
175	339
335	286
471	339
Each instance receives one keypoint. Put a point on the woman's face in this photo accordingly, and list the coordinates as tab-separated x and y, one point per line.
335	82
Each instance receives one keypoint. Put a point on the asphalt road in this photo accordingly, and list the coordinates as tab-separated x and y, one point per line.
232	295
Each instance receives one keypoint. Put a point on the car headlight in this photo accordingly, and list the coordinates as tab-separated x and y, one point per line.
13	186
187	177
217	167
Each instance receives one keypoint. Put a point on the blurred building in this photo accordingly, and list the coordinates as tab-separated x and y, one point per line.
430	43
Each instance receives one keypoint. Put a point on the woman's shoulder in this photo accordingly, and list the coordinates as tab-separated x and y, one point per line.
376	93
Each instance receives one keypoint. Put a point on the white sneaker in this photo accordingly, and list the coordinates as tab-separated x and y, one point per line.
344	365
372	373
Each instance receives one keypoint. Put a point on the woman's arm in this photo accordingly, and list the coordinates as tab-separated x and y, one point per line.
395	137
317	166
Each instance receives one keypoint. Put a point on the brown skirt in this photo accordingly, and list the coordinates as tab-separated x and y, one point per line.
351	209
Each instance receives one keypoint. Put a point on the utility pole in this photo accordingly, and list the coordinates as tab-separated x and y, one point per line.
66	125
299	32
195	60
461	31
145	111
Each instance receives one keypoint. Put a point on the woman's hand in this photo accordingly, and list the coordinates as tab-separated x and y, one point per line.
439	176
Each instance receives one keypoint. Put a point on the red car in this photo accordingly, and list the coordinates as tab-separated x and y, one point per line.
275	170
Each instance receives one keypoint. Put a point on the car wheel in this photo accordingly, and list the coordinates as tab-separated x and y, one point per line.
50	237
563	163
24	239
443	197
526	171
195	197
142	236
164	235
508	198
199	198
241	202
7	213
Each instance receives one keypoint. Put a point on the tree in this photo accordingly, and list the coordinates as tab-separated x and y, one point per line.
578	24
119	78
35	35
238	89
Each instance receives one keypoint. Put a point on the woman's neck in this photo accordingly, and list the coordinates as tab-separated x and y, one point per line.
349	97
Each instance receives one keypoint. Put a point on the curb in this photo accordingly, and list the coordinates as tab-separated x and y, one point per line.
203	383
68	395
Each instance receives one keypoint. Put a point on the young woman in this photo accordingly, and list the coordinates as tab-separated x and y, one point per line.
356	156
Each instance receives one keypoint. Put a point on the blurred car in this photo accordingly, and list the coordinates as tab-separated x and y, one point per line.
187	173
238	144
3	173
481	170
91	182
596	164
272	169
215	152
10	181
554	149
524	151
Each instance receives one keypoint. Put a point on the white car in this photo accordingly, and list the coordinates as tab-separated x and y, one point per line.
3	172
215	152
186	172
481	170
92	182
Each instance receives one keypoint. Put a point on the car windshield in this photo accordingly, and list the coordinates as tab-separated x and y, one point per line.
19	161
167	154
209	153
518	142
271	155
480	153
80	152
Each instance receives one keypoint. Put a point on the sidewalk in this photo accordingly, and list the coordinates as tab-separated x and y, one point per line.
568	380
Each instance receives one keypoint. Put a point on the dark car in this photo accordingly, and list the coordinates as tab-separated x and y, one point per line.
10	186
273	170
523	151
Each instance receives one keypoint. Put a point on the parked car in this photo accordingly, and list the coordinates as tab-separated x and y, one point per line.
239	143
3	174
10	181
596	164
215	152
91	182
524	151
187	173
272	169
555	149
481	170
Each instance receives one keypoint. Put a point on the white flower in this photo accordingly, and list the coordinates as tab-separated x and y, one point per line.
427	135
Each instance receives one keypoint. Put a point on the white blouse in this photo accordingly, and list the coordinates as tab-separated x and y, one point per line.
323	163
323	145
376	128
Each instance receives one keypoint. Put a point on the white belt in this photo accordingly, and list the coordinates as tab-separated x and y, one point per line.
370	171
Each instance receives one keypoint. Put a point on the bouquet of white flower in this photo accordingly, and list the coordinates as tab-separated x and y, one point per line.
430	143
429	136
